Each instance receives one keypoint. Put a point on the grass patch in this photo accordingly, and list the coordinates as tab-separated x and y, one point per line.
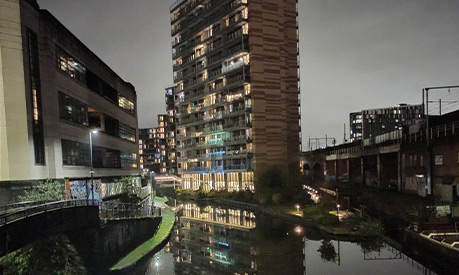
161	234
320	216
161	199
287	208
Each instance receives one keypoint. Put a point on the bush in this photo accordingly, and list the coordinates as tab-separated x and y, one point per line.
277	198
320	215
327	202
302	198
44	192
371	229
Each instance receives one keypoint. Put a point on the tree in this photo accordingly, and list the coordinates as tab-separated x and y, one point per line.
268	182
327	251
54	255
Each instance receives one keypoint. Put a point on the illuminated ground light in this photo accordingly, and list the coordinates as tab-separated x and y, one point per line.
298	230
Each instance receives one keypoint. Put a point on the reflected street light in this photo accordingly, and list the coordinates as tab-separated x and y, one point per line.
95	131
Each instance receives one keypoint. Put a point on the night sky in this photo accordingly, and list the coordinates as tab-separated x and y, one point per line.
355	54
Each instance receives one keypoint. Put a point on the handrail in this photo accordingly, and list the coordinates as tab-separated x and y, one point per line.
45	208
115	210
6	207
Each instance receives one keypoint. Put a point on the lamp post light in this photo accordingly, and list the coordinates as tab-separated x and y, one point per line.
338	210
297	206
95	131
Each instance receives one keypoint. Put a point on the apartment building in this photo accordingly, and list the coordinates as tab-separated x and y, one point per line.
374	122
170	129
157	145
53	92
148	150
236	92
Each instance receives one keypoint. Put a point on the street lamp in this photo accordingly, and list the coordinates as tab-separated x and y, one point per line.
95	131
338	210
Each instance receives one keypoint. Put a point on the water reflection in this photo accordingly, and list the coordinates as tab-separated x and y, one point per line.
217	240
214	239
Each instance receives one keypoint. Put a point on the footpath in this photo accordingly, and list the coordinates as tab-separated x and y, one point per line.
151	246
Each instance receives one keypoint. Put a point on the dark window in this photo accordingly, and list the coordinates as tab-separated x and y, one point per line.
127	132
78	154
36	103
128	160
75	153
72	110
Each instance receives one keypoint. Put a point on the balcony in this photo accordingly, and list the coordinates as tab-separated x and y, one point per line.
236	167
230	126
240	110
242	139
203	169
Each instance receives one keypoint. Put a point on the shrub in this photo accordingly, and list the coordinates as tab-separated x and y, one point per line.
327	202
371	229
277	198
302	198
44	192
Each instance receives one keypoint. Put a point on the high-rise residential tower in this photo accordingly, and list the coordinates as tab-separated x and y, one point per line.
236	89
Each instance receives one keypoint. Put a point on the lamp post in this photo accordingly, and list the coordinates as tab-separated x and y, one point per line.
297	206
338	210
92	168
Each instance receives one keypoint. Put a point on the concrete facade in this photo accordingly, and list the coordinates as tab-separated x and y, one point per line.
44	69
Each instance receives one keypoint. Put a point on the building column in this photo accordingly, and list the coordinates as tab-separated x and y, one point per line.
212	178
348	170
399	172
336	169
379	169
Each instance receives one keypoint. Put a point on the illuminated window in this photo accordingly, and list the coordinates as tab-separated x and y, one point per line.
68	64
126	104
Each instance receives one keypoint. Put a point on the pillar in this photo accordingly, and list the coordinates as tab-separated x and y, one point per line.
399	172
379	169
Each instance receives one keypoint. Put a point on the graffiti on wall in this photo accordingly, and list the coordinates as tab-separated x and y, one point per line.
76	190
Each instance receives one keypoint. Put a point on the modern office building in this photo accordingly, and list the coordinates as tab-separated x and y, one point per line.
236	89
374	122
53	92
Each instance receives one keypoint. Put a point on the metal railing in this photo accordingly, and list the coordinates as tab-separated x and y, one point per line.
4	209
114	210
43	208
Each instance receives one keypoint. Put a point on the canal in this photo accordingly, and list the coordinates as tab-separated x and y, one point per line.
209	239
218	240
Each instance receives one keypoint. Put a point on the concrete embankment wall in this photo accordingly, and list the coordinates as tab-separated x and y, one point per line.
103	246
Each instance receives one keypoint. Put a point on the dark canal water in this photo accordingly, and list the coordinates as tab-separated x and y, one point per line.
214	240
217	240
